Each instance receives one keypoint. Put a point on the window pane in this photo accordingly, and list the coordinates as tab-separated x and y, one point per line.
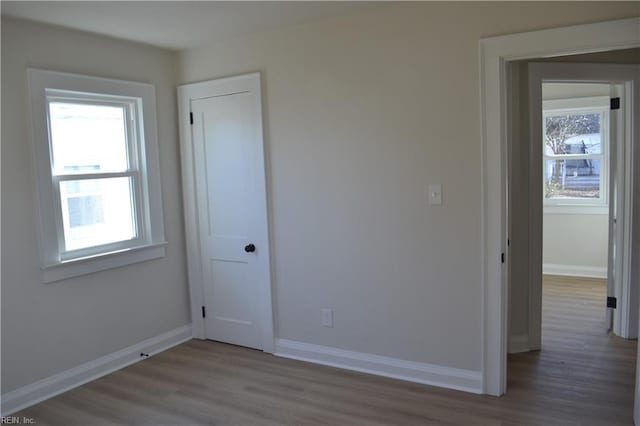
572	179
88	138
573	134
97	211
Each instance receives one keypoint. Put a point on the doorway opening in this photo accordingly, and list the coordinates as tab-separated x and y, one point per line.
590	43
572	306
578	142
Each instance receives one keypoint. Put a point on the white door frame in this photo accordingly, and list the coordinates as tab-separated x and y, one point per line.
625	324
495	53
186	94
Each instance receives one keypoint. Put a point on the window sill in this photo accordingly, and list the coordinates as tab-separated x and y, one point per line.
576	209
101	262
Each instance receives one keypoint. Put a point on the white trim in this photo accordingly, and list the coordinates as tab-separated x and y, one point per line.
89	265
519	343
58	383
418	372
495	53
189	202
186	94
574	270
583	104
575	209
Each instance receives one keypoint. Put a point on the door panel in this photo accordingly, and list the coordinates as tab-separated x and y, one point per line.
226	151
615	179
232	315
620	284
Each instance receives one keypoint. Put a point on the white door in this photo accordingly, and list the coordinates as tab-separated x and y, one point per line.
231	211
616	181
623	320
613	258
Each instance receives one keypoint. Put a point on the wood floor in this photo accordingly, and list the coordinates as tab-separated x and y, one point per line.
582	376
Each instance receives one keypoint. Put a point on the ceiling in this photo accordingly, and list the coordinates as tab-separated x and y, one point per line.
176	24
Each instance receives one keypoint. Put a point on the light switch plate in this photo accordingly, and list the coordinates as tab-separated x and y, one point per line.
435	194
327	317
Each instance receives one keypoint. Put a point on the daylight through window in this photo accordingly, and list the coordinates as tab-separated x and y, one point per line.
575	151
94	172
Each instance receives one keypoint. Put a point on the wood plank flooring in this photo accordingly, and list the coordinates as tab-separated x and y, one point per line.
581	377
580	369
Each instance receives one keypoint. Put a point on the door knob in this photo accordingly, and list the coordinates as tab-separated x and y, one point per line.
249	248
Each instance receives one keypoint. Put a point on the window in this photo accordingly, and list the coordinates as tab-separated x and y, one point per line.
576	149
97	167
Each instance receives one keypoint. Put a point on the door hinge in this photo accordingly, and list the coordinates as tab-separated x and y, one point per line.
612	302
502	257
615	103
204	312
190	118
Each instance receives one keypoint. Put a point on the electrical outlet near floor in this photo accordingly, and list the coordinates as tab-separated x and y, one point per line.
327	317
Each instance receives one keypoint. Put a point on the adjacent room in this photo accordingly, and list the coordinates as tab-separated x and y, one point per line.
571	129
315	213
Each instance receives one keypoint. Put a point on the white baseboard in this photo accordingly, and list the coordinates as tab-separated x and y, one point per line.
435	375
518	343
44	389
574	270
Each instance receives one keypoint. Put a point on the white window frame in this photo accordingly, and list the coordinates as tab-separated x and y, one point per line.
139	101
585	105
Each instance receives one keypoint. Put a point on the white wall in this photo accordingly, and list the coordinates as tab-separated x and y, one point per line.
362	113
574	242
48	328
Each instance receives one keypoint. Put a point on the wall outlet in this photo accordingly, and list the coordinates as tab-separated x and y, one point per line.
327	317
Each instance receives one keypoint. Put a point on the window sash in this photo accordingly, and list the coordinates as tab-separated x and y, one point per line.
574	157
87	176
601	200
129	106
137	207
